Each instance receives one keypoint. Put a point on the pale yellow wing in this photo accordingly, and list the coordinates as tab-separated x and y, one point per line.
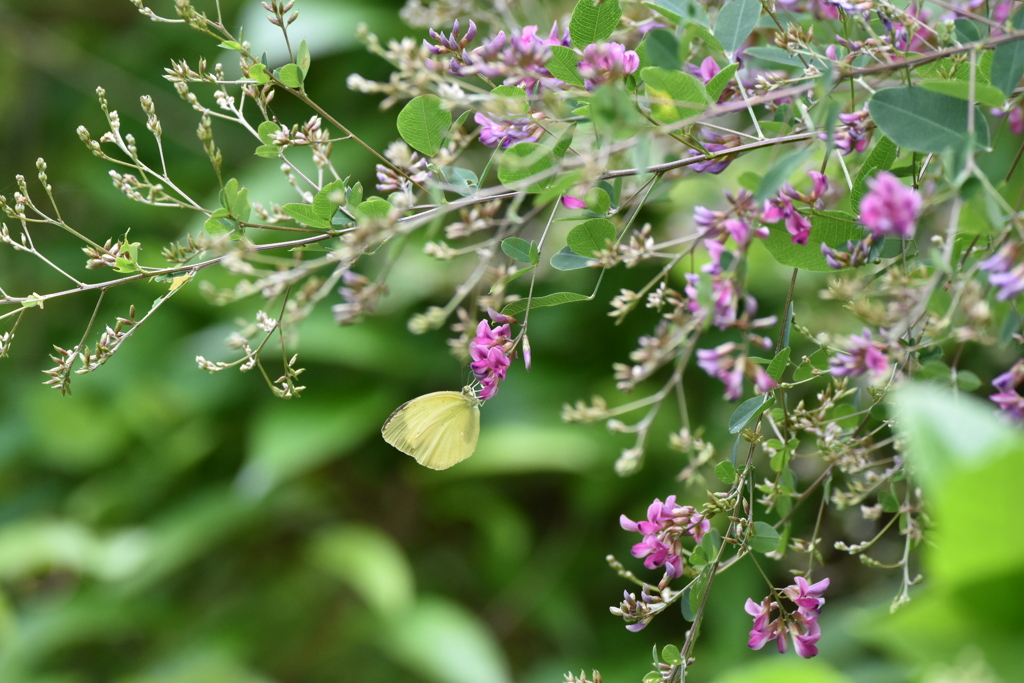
438	429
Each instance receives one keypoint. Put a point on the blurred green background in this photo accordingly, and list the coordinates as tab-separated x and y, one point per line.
162	525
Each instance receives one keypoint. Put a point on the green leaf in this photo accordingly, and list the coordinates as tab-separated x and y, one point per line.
516	248
220	223
567	259
307	215
985	94
423	123
534	253
231	45
303	59
592	23
699	588
889	502
563	65
374	208
460	180
662	49
780	172
776	55
736	20
513	276
966	31
290	75
526	160
266	131
778	364
268	151
597	200
557	299
258	73
511	99
967	380
1008	61
670	655
834	228
725	471
748	410
721	80
328	199
695	30
240	207
699	556
882	156
924	121
750	180
763	537
591	236
667	90
564	141
228	192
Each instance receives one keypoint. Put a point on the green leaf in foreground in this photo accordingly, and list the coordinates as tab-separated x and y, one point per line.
924	121
763	537
526	160
778	364
669	91
591	236
516	248
725	471
834	228
517	307
699	588
290	75
567	259
735	22
423	124
717	84
592	23
1008	61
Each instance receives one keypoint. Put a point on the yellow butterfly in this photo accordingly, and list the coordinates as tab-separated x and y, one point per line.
438	429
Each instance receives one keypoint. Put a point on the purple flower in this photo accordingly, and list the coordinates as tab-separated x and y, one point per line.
603	62
853	135
491	352
863	355
890	208
570	202
452	42
1008	400
518	60
781	208
506	132
801	623
715	143
1010	283
662	534
856	253
720	364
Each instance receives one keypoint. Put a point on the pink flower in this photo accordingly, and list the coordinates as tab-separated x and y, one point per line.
801	623
719	363
863	355
492	353
663	531
1008	399
570	202
890	208
853	135
604	62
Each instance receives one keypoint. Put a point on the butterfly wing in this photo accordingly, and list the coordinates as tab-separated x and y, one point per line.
438	429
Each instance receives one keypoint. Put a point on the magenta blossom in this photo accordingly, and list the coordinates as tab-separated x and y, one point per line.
890	208
780	208
662	533
604	62
801	623
863	355
570	202
491	351
1007	398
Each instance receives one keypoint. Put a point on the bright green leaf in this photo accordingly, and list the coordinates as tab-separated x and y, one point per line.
303	59
305	214
592	23
517	307
721	80
668	91
778	364
423	124
591	236
374	208
527	160
290	75
725	471
563	65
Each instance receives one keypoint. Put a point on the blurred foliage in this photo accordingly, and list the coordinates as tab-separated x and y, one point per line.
163	525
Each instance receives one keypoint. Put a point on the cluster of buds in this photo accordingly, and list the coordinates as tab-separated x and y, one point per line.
108	344
506	132
663	531
802	623
714	142
360	295
453	42
780	207
638	613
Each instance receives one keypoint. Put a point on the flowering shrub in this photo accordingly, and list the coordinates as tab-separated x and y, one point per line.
851	151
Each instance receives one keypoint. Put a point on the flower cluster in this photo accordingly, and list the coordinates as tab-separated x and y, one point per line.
1007	398
492	351
507	131
720	363
603	62
801	624
863	355
517	61
666	524
890	208
780	207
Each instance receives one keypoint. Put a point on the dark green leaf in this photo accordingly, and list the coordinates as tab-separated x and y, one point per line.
749	409
517	307
985	94
591	236
516	248
966	31
776	55
1008	61
592	23
763	538
736	20
780	172
924	121
889	502
563	65
328	199
967	380
696	30
662	49
423	123
567	259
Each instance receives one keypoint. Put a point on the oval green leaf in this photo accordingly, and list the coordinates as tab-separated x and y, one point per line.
834	228
668	91
924	121
557	299
735	22
591	236
526	160
763	538
423	124
592	23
